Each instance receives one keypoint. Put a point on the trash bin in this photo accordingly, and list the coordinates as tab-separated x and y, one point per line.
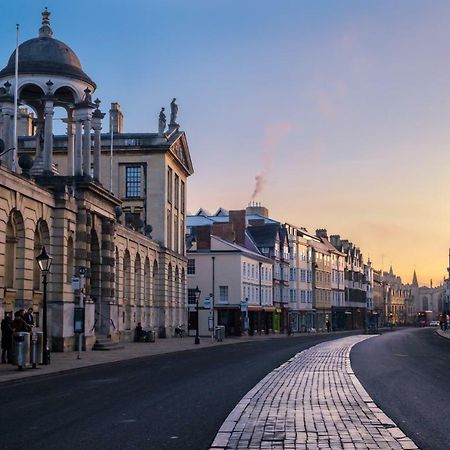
220	333
162	332
21	342
151	336
37	347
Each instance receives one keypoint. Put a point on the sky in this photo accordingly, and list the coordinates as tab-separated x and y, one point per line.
332	114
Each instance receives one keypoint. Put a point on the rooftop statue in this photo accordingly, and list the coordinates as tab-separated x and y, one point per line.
162	121
173	112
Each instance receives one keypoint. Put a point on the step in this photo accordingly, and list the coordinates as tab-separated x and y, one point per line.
105	344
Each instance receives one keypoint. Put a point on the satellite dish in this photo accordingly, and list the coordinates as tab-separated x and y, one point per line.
2	146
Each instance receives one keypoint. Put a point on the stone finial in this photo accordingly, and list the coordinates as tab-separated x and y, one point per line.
97	103
26	163
45	30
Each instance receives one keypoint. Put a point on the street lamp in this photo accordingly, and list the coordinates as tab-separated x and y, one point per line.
45	262
197	297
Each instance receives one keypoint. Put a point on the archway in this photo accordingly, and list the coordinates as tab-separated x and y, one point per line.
126	291
14	262
138	290
147	293
95	287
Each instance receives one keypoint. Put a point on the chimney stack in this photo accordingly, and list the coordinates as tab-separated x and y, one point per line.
116	118
238	220
322	233
203	237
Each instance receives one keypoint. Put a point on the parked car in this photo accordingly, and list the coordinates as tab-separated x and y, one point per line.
434	323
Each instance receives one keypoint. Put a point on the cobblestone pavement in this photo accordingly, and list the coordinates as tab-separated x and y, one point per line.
313	401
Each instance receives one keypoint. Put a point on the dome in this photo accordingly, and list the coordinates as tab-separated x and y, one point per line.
47	56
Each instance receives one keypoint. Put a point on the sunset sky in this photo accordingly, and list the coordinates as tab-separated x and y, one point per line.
342	108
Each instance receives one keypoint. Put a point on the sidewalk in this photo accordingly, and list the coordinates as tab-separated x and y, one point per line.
444	334
61	362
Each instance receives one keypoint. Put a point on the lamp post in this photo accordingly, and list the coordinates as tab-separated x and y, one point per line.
45	261
197	297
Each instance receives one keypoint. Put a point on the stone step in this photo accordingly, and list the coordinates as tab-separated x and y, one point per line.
105	344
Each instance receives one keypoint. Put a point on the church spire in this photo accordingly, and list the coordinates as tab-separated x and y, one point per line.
45	30
414	281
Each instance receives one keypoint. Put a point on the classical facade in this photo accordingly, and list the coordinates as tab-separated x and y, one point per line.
128	235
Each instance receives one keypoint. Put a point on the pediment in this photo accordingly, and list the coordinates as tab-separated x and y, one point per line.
180	150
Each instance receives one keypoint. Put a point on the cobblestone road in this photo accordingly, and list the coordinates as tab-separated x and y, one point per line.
313	401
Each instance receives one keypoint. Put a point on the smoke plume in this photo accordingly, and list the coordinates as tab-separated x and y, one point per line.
274	134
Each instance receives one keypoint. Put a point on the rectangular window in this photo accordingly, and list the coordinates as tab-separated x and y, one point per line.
177	235
223	294
169	185
169	229
182	197
303	296
302	275
133	181
191	267
177	191
191	297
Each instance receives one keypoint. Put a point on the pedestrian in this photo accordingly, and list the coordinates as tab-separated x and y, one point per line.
139	333
19	324
29	318
7	333
328	324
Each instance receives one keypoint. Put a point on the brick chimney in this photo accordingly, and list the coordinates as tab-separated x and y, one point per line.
322	233
238	220
257	208
116	118
224	231
203	237
335	240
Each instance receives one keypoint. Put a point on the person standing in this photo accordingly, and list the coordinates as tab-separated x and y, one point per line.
328	324
7	333
29	318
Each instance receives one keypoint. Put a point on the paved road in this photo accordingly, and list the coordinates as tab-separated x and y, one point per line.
174	401
407	373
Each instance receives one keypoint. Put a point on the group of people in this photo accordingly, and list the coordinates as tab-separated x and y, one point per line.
23	321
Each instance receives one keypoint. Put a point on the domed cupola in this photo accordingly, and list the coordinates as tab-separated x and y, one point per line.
45	55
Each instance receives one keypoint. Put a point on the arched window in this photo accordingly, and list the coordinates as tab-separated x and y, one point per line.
15	251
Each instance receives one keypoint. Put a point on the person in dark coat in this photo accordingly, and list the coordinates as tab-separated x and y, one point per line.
19	324
28	317
7	333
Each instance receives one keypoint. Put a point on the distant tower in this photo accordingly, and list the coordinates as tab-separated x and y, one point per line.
116	118
414	281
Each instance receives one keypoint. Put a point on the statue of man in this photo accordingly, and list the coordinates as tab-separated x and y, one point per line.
162	121
173	112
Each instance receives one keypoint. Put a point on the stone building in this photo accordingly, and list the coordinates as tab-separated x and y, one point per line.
129	238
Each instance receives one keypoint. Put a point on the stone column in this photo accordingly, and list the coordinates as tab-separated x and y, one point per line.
97	117
48	135
8	132
78	147
70	145
87	146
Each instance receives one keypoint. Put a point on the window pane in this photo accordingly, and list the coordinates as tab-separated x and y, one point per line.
133	181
